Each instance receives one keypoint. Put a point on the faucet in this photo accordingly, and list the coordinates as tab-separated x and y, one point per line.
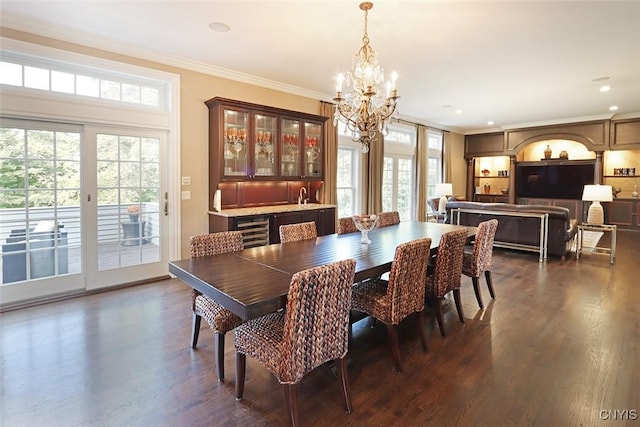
303	190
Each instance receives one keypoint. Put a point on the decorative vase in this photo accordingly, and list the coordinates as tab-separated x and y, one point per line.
365	223
547	152
487	189
634	194
134	217
564	155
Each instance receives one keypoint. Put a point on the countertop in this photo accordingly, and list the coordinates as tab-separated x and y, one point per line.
265	210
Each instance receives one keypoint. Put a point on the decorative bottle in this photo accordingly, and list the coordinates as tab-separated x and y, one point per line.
634	194
547	152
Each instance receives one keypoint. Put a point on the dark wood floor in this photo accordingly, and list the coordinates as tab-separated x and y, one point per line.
559	345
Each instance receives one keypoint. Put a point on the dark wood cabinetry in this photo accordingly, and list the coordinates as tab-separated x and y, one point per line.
264	228
623	213
325	220
486	144
255	142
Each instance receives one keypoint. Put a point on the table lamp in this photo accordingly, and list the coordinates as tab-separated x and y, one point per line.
443	190
596	194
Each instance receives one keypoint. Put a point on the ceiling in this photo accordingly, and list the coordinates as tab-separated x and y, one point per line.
516	63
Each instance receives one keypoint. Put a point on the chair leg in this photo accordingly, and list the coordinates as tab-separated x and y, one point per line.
219	350
343	377
456	297
476	289
195	331
487	275
422	330
395	347
291	402
241	365
439	317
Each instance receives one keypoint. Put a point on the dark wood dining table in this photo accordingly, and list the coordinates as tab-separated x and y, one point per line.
255	281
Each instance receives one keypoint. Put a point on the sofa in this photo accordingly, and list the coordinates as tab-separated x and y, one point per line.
42	256
517	230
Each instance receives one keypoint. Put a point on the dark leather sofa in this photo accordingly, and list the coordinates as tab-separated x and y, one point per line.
521	230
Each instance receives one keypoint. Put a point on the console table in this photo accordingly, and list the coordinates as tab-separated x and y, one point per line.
597	249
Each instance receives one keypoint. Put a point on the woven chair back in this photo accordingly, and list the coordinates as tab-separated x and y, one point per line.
316	323
406	286
300	231
448	271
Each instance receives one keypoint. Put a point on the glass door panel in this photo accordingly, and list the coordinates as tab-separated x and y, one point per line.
128	200
290	148
40	227
313	149
236	157
264	145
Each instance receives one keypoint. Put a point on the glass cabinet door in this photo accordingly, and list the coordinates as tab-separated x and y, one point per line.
264	135
312	150
235	154
290	148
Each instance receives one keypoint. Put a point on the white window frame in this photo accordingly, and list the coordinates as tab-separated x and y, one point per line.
345	142
434	153
21	102
402	150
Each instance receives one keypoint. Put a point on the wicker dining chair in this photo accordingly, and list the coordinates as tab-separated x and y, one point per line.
403	294
312	330
477	261
219	318
346	225
388	218
300	231
447	273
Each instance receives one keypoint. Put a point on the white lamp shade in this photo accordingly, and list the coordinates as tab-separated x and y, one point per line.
597	193
444	189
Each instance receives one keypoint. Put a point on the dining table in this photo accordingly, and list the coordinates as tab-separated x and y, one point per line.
255	281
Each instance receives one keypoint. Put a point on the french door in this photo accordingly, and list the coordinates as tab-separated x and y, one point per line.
81	207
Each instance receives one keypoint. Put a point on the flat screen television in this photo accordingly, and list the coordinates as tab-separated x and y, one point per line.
553	181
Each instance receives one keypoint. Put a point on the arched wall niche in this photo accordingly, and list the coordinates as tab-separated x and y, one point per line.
534	150
592	135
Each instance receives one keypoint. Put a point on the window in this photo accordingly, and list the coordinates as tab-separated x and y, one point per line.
346	181
436	140
398	183
27	72
348	173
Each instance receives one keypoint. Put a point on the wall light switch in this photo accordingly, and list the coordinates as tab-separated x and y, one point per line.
186	195
186	180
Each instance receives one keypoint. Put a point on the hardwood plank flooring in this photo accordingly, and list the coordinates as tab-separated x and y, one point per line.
560	344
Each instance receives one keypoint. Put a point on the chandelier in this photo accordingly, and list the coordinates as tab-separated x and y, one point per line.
364	105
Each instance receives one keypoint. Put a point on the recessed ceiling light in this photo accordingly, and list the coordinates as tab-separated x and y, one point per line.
459	111
605	88
219	27
613	108
490	123
446	106
601	79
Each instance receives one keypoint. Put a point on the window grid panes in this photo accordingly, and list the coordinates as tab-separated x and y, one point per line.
346	182
398	183
20	73
434	162
40	202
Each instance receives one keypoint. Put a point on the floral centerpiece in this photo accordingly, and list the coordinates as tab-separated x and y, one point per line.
365	223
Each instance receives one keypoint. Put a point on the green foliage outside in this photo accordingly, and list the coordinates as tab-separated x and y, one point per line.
41	168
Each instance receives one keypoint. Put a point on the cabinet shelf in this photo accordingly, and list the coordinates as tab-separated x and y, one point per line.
490	176
621	176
